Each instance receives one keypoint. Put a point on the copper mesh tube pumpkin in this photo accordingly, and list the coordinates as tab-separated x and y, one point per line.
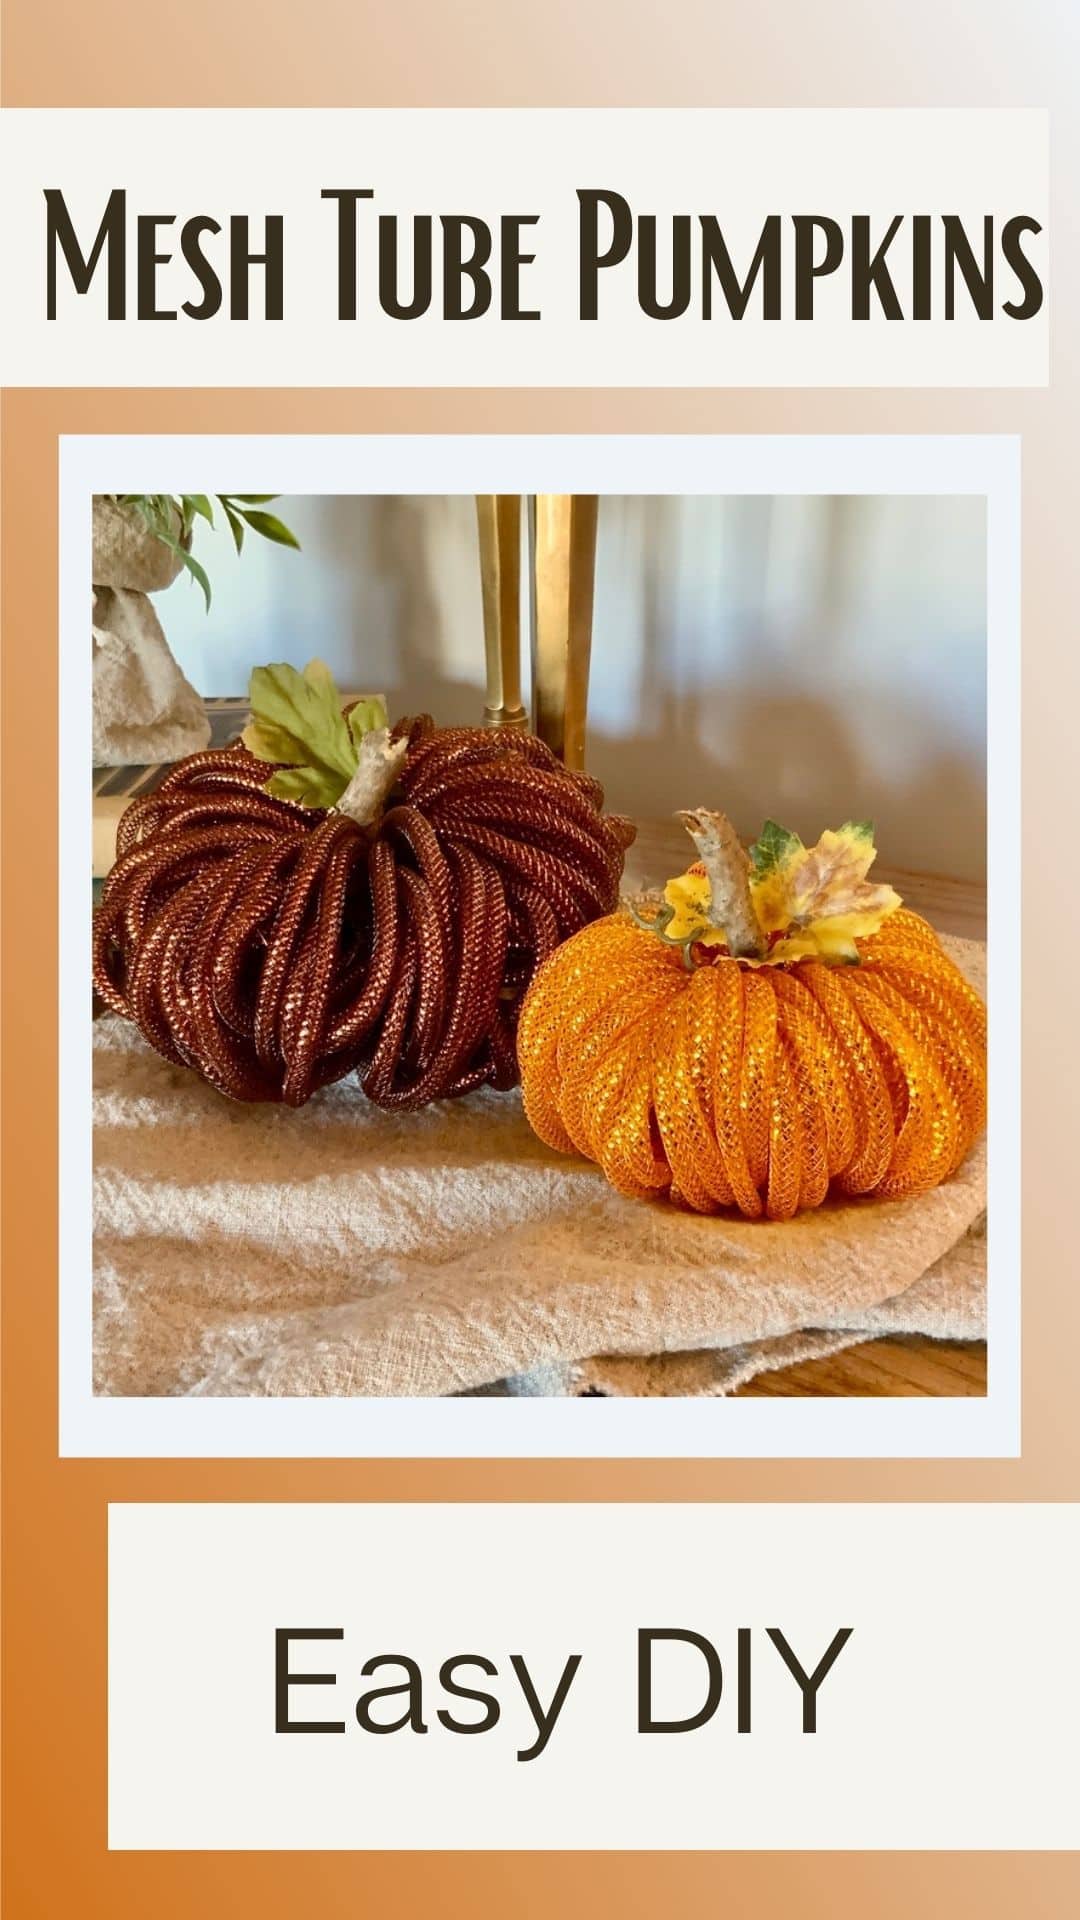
777	1028
349	897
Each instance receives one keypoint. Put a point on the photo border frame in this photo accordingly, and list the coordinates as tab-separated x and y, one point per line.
983	465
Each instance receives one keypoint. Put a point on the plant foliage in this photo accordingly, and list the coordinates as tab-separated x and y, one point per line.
171	519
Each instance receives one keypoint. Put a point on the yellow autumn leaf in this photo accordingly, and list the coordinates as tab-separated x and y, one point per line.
770	895
830	940
826	877
810	902
819	897
688	899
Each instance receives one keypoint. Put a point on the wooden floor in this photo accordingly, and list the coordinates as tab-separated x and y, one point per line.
904	1365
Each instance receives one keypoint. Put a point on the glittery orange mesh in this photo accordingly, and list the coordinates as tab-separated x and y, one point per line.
756	1088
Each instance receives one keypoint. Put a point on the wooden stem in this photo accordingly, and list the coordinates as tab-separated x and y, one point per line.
376	770
727	866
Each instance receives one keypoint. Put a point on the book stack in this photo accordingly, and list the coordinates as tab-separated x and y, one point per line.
116	787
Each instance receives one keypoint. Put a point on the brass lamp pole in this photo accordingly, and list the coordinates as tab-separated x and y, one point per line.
562	543
499	523
562	553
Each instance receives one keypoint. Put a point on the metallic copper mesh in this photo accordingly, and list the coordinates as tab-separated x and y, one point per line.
275	947
756	1088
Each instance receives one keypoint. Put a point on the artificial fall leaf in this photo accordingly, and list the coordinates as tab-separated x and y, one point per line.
366	716
809	902
819	898
773	857
683	918
297	723
298	784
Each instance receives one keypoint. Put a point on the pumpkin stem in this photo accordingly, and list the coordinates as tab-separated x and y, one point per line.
727	868
377	765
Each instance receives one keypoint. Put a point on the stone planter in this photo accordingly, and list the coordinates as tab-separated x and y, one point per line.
144	710
126	554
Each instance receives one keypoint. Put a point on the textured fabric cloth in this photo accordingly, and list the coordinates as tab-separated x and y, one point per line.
948	1303
247	1250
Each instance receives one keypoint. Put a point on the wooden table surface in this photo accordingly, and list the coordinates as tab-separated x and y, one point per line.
907	1364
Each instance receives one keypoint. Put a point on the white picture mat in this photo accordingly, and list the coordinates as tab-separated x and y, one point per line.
985	465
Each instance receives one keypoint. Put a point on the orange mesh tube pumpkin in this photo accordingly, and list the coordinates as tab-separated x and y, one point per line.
777	1028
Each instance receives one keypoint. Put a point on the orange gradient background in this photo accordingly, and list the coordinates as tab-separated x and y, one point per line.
421	53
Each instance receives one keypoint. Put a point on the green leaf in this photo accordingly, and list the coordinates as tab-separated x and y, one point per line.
306	786
188	560
365	717
236	525
160	512
296	721
774	848
196	571
199	503
270	527
272	743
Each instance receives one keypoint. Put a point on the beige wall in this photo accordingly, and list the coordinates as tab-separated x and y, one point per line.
810	658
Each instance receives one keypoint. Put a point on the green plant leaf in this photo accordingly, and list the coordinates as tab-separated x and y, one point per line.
270	527
773	848
236	525
187	560
267	741
305	786
365	717
297	722
197	571
161	511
